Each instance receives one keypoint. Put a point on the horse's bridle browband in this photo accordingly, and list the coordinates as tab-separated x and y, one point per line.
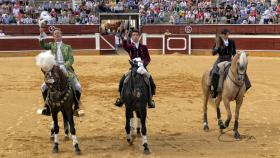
234	80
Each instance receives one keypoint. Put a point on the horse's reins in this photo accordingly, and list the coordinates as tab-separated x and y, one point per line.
64	94
235	82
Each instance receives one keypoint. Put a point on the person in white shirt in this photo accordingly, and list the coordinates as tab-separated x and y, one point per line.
2	34
252	19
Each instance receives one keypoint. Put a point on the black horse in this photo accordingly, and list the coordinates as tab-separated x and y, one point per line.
61	98
135	95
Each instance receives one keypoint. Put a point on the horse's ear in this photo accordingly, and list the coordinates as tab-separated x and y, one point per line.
43	71
130	62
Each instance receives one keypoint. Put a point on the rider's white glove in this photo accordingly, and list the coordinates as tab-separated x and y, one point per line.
63	68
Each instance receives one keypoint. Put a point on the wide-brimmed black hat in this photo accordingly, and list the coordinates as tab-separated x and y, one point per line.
225	31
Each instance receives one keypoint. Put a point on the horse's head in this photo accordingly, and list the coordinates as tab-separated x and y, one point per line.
53	75
241	64
138	73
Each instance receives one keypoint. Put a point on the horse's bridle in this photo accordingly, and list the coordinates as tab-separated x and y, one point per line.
63	94
238	84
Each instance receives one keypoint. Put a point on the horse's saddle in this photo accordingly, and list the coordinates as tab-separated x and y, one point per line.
224	68
127	77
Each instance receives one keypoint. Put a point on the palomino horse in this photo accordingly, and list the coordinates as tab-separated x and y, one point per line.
233	90
60	97
135	95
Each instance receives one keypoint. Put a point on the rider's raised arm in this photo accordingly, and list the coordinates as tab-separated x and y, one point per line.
42	42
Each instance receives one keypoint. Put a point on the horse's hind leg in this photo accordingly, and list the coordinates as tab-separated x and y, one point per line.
220	121
143	115
66	127
129	125
229	115
138	127
206	93
237	109
70	118
56	130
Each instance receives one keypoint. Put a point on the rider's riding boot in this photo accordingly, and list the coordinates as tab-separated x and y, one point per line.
247	82
214	85
119	102
151	103
220	84
77	111
46	109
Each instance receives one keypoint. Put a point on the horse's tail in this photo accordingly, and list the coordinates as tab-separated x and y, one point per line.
206	90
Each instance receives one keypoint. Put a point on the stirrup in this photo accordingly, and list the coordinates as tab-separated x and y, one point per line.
152	104
44	111
79	113
119	103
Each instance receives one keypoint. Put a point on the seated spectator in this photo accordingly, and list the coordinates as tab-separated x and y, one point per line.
2	34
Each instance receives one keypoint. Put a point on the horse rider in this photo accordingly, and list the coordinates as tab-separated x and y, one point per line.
225	48
137	50
64	58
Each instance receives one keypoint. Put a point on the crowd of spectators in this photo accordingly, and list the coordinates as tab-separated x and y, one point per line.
151	11
62	12
209	12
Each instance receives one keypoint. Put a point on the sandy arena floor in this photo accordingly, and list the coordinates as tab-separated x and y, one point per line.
174	127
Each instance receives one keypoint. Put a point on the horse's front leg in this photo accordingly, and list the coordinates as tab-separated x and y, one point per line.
143	115
237	109
56	130
70	117
66	126
129	125
220	121
138	126
229	115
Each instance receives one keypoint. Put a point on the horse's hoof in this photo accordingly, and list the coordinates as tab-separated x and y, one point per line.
222	126
206	128
77	150
138	132
236	135
51	138
130	142
55	148
146	149
66	138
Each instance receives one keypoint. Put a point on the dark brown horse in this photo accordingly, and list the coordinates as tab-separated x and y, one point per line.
60	98
135	95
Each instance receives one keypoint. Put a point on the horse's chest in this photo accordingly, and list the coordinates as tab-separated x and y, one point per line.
60	101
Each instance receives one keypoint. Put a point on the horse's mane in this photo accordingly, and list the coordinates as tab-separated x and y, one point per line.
62	77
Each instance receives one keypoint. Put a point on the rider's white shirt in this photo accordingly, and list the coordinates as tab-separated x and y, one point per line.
59	58
226	42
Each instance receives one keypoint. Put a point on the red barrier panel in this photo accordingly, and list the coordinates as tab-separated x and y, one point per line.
154	43
30	29
107	42
33	44
34	29
241	43
212	29
13	29
176	43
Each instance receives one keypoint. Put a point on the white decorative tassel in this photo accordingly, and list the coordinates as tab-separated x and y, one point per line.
145	140
74	139
56	138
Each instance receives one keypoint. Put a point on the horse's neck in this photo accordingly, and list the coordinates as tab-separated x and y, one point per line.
62	78
233	66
